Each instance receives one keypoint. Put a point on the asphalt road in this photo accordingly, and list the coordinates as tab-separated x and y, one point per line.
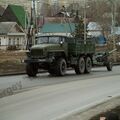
50	98
44	79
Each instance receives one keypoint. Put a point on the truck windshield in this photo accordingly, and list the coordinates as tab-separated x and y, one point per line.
51	39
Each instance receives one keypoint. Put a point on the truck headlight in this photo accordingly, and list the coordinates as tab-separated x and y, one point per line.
28	53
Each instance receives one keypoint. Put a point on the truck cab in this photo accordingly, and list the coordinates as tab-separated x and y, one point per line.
45	52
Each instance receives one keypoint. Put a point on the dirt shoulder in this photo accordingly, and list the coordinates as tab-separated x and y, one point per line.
95	112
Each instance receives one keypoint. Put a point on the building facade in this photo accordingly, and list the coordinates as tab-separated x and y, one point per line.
12	36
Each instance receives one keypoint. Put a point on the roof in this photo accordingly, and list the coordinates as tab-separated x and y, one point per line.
94	29
50	35
5	27
19	12
62	14
15	13
58	28
94	26
115	31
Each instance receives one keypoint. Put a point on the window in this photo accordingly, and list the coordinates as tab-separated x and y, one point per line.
40	40
48	39
17	41
54	39
9	42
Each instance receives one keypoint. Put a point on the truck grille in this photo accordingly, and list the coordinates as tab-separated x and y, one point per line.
37	53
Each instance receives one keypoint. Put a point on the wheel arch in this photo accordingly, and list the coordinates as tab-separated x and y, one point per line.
60	54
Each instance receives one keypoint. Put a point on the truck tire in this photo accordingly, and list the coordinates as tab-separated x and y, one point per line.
31	70
80	67
61	66
109	66
88	65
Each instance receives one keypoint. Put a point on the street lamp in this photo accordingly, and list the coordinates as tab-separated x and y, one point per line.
85	25
113	15
113	26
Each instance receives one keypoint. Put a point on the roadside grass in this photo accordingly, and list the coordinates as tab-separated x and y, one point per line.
12	62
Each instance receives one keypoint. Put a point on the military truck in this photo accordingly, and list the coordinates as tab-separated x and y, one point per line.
56	53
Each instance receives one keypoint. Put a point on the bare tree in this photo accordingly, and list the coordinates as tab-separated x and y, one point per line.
46	9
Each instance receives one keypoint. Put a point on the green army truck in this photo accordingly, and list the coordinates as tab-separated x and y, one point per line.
56	53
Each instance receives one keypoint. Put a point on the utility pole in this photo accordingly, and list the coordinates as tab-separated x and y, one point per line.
34	12
34	19
85	22
113	16
65	15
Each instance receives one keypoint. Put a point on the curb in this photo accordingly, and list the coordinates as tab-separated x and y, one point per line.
41	71
18	73
11	74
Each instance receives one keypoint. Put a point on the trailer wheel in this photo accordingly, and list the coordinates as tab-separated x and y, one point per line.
80	67
109	66
61	66
88	65
31	69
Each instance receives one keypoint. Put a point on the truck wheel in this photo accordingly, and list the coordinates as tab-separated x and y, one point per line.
109	66
88	65
80	67
31	70
61	66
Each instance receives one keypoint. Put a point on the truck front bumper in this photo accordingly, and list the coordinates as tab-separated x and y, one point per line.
38	60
